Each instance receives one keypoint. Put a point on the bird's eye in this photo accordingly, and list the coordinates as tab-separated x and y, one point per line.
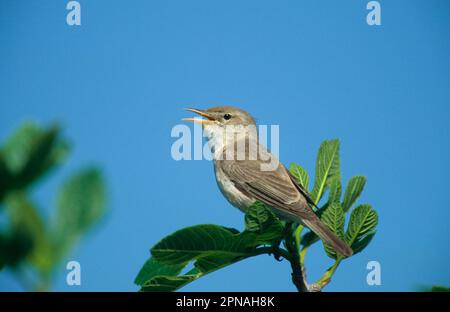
226	116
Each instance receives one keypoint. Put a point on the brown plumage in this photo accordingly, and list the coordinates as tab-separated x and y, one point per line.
244	181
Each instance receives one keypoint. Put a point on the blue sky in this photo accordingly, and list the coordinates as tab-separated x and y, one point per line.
119	81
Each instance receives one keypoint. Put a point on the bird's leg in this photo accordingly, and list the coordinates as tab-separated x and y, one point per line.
276	245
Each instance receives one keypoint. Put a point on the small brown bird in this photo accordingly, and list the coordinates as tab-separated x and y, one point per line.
244	179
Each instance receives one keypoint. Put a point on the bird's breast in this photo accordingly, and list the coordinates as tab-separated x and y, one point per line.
231	193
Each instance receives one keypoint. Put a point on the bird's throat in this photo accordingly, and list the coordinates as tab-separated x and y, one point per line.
231	144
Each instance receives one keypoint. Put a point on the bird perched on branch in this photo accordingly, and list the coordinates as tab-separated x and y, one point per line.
247	172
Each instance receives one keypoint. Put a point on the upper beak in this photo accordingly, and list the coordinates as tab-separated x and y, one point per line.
209	118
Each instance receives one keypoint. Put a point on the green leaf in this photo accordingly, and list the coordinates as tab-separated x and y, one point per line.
211	247
80	204
309	238
260	220
200	241
335	190
24	215
6	178
15	246
297	236
164	277
327	168
45	153
153	268
170	283
359	245
354	189
333	217
160	277
439	288
19	147
29	153
300	175
361	227
214	262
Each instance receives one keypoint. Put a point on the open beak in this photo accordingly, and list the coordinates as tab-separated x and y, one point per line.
209	118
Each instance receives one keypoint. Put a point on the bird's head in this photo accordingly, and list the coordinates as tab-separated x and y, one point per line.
225	124
222	116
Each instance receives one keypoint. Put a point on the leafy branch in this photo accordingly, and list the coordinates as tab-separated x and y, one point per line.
207	248
31	246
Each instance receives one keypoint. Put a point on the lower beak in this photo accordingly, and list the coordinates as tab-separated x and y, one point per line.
209	119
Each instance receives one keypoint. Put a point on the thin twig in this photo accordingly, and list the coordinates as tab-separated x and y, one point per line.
326	277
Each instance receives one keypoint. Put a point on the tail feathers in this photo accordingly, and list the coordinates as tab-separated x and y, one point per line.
328	236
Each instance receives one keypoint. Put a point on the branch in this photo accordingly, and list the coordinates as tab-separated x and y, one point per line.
272	250
298	277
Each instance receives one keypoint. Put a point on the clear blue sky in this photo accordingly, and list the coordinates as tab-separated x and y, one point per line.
118	83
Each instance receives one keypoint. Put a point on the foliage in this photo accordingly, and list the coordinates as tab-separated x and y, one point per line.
203	249
438	288
30	245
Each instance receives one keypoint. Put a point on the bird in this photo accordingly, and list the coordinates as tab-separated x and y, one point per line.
254	174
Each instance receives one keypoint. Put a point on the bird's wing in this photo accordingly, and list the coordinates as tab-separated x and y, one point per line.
273	187
302	190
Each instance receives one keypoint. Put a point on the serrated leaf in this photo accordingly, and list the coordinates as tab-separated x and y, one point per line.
335	190
333	217
300	175
260	220
361	227
327	168
200	241
359	245
310	238
354	189
153	268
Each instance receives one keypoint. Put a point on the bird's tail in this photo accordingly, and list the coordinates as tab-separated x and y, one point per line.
327	236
